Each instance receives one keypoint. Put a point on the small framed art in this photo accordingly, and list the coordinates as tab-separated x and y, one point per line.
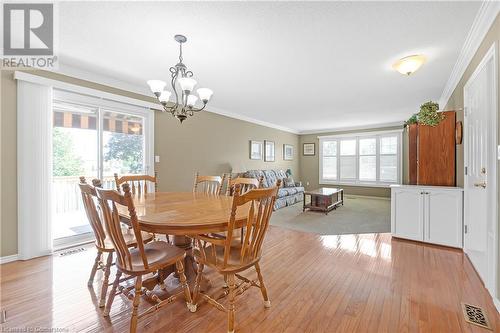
288	152
256	150
269	153
309	149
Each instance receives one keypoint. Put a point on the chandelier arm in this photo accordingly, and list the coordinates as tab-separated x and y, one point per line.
198	110
175	73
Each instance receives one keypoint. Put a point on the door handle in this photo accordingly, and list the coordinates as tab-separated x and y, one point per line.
482	184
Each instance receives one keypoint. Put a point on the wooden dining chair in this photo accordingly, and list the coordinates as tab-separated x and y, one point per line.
145	259
246	184
208	184
138	183
220	255
102	242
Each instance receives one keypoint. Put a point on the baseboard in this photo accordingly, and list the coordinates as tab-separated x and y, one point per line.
366	196
6	259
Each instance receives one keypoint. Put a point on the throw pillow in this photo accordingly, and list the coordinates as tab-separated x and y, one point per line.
288	182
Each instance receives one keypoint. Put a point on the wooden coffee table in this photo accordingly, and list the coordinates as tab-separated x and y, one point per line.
324	199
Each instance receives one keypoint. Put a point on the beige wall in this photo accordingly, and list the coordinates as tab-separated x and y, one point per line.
456	101
212	144
309	165
208	143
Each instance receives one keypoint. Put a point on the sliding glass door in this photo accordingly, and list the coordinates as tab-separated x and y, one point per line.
91	139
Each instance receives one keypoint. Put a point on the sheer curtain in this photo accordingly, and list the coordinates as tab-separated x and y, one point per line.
34	167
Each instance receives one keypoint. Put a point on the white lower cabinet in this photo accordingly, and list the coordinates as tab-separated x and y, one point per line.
430	214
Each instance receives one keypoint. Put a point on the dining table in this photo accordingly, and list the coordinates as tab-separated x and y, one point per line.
182	216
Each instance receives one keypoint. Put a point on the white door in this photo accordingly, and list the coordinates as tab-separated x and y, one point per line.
480	197
443	217
407	213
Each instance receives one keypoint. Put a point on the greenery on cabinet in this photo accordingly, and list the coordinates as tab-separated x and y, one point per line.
428	115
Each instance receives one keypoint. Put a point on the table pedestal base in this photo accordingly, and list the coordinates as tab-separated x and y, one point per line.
190	269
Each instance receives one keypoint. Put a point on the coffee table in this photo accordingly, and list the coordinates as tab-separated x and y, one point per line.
324	199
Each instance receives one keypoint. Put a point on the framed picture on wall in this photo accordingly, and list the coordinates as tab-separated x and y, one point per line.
309	149
288	152
256	150
269	151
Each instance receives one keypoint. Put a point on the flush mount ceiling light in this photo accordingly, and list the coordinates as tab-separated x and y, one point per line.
409	65
182	83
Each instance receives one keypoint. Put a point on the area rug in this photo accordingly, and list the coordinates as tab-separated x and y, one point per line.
359	215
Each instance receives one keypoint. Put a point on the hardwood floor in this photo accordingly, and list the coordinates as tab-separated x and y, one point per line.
349	283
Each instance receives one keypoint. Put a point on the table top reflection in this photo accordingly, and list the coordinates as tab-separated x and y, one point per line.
184	213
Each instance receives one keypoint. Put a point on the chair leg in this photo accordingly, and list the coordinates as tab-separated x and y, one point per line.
263	290
231	310
105	282
94	269
197	283
185	286
137	299
111	297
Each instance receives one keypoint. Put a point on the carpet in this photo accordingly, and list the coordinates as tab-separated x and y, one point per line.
359	215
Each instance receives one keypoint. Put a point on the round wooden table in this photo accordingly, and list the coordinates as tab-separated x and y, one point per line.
184	214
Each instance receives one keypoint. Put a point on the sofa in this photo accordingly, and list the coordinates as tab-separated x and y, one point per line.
287	196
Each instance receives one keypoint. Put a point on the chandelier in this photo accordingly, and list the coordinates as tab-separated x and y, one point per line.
182	83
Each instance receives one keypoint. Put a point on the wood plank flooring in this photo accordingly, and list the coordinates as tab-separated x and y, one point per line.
348	283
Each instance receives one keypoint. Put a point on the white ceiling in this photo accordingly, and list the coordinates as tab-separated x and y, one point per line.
301	65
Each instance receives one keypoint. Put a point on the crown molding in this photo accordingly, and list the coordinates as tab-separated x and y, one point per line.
229	114
143	90
482	22
354	128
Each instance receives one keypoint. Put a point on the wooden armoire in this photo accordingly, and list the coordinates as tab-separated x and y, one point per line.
432	153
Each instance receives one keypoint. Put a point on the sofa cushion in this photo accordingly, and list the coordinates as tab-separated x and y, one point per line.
287	191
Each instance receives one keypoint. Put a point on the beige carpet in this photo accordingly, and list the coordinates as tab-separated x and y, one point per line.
359	215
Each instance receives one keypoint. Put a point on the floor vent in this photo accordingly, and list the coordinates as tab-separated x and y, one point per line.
71	251
475	315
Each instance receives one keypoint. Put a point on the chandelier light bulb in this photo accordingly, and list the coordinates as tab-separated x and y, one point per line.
164	96
156	86
205	94
191	100
409	65
187	84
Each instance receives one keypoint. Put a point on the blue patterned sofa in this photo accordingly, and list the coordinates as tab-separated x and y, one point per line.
287	196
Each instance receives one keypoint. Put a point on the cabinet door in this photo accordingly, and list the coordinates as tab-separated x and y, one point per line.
407	213
443	217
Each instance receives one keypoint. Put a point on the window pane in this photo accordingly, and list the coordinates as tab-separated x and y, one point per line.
368	167
389	168
123	141
330	148
329	168
368	146
389	145
348	147
348	167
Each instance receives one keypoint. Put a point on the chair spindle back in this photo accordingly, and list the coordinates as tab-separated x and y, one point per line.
89	197
253	231
138	183
208	184
108	200
246	184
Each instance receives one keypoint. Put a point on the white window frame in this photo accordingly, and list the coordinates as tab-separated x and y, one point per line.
357	136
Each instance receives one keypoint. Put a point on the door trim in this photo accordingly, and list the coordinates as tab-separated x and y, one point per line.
492	181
